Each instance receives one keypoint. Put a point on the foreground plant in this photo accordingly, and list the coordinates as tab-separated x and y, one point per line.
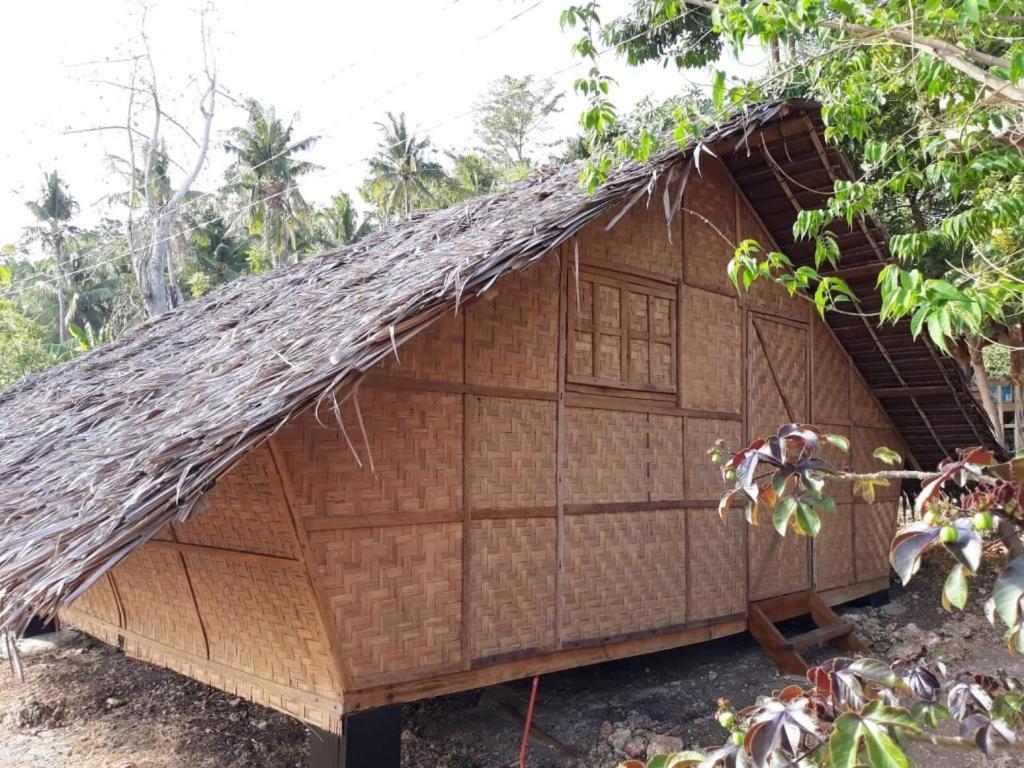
857	712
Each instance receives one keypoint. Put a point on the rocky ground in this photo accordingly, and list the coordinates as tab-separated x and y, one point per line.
85	705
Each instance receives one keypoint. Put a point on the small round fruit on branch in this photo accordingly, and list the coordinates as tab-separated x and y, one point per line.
984	521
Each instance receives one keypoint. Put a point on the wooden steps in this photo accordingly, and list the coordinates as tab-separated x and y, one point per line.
763	615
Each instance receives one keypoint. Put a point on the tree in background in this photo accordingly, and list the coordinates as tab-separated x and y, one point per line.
403	175
154	207
337	224
54	210
512	116
24	347
265	174
472	175
216	252
928	100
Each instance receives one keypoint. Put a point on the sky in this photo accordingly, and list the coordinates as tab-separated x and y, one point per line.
336	67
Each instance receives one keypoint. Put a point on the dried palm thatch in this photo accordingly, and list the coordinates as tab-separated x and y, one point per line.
99	454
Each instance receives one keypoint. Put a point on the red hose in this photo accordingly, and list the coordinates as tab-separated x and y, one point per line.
529	720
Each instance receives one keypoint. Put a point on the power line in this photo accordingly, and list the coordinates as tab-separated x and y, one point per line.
16	289
388	92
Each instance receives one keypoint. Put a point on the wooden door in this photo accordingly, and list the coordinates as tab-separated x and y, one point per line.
777	393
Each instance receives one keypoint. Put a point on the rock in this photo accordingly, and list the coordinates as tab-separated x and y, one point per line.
663	745
893	609
605	730
261	725
635	747
712	675
36	714
618	737
114	703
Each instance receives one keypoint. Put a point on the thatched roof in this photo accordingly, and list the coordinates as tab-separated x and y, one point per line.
99	454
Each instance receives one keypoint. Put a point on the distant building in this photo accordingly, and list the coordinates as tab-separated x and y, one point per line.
1002	393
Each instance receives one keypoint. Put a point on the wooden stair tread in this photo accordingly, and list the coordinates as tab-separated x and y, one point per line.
817	636
763	615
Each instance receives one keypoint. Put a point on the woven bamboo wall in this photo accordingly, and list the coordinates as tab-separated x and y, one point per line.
526	479
225	597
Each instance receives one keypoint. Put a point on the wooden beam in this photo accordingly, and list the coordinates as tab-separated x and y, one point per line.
911	391
414	690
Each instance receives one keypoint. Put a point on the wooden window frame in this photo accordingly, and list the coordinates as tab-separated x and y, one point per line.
625	283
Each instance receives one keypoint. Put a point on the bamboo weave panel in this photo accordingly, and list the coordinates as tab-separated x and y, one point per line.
665	462
512	592
98	601
766	295
263	621
717	555
831	375
777	352
165	533
864	409
434	354
320	714
710	196
778	564
246	511
510	448
606	456
624	572
396	597
71	616
157	600
712	352
874	526
512	333
639	240
703	479
833	549
416	445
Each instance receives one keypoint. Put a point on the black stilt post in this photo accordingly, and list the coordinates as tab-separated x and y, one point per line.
371	739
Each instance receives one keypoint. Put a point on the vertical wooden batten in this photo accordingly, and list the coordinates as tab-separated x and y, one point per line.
560	457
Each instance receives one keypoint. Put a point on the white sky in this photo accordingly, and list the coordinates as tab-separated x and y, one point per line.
336	65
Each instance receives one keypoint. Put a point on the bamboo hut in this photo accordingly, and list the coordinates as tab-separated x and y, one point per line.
469	448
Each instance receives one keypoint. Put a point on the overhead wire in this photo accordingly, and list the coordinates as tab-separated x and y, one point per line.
17	289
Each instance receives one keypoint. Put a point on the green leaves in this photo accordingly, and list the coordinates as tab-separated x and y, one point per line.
1008	593
870	733
784	512
807	520
718	89
839	441
908	546
954	591
887	456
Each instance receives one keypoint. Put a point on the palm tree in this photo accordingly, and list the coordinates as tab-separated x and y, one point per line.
339	221
401	176
265	172
54	210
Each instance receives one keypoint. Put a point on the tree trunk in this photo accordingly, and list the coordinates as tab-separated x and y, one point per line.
981	379
155	291
1017	377
62	314
63	281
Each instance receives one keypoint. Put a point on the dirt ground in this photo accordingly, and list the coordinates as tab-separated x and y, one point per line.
86	705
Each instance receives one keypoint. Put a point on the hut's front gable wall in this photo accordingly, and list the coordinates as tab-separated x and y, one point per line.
527	480
225	597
